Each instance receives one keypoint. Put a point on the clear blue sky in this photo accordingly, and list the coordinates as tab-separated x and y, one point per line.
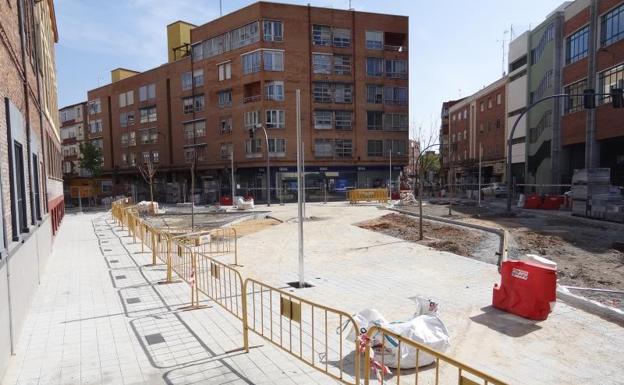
454	48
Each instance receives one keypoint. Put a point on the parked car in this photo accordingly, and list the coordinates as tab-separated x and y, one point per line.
494	189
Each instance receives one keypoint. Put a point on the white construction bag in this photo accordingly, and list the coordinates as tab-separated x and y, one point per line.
425	327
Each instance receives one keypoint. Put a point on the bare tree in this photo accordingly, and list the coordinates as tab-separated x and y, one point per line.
148	169
425	161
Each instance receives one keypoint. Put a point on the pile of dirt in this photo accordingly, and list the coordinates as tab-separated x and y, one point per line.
438	236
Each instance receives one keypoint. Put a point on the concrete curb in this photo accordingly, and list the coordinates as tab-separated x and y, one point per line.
603	311
502	233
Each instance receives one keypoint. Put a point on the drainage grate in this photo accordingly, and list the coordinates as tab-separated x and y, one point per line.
296	285
120	277
130	301
108	249
113	260
153	339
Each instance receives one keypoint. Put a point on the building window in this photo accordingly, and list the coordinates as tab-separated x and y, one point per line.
374	66
245	35
253	146
274	90
343	93
275	119
343	148
198	78
374	40
224	98
146	156
132	138
19	220
197	51
395	122
574	103
193	104
321	35
187	81
482	106
147	92
124	158
374	120
226	150
323	148
273	60
95	126
577	45
374	93
395	95
149	136
277	146
611	78
374	148
321	63
94	106
126	98
499	99
342	64
193	130
225	125
148	114
322	92
251	62
547	36
342	37
612	26
344	120
396	69
489	103
225	71
272	30
396	146
155	156
323	120
126	118
124	139
251	119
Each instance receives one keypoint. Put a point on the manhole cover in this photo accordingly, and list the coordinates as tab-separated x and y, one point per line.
130	301
153	339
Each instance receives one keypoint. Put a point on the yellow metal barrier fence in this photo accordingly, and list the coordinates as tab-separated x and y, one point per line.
367	195
446	370
313	333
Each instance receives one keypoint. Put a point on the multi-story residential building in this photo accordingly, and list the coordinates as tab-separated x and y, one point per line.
543	165
241	72
476	128
593	59
517	99
73	121
444	138
30	159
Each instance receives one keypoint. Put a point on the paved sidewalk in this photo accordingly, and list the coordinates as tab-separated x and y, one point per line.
99	317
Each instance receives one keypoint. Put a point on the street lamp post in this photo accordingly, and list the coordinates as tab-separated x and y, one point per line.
268	166
232	170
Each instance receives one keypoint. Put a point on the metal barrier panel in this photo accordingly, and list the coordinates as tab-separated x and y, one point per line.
313	333
221	283
446	370
367	195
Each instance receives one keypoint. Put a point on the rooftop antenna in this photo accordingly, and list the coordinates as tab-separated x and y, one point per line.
503	47
220	7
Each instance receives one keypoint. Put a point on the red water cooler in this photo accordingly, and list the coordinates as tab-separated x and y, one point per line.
527	289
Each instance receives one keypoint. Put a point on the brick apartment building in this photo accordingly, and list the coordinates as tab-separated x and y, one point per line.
351	68
444	137
30	159
580	45
476	123
78	183
599	66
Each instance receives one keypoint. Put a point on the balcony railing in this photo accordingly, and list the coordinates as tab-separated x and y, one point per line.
250	99
395	48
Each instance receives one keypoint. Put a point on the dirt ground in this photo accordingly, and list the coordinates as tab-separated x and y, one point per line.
438	236
583	248
253	226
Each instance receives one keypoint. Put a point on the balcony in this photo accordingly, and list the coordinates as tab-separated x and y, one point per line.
252	92
395	42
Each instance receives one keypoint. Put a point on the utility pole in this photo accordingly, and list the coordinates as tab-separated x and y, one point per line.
299	200
390	169
480	156
232	170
